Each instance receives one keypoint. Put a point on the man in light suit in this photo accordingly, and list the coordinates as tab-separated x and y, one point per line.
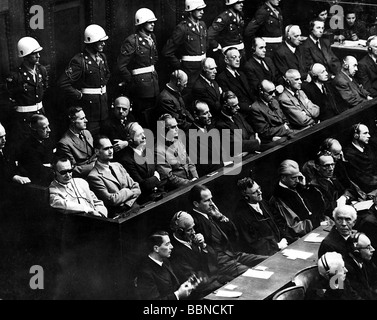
299	110
351	91
77	143
72	195
110	181
367	73
318	50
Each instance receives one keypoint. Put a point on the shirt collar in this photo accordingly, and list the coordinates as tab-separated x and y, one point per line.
293	49
256	207
203	214
233	72
358	147
158	262
185	243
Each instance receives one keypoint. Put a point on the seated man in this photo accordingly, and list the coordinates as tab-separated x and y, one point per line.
170	100
350	90
261	229
233	79
299	204
344	218
155	278
206	88
322	92
110	181
139	161
218	231
231	119
266	116
191	256
367	73
299	110
114	126
361	157
72	195
77	143
173	162
37	152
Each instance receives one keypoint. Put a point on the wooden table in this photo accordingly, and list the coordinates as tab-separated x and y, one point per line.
341	50
283	270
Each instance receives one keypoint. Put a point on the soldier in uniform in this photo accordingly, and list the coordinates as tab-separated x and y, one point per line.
26	87
84	81
268	24
188	44
227	30
136	64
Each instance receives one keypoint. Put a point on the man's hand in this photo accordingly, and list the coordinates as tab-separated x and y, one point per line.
283	244
119	145
21	180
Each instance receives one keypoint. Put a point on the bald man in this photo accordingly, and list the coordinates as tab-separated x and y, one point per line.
170	100
367	74
206	88
322	92
350	90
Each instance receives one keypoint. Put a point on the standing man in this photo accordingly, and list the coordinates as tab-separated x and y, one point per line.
136	64
267	23
84	81
188	44
26	87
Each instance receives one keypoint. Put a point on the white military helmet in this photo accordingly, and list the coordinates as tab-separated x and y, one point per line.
94	33
27	45
191	5
230	2
144	15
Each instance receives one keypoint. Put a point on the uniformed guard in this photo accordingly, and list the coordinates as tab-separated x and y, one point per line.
26	87
227	29
136	64
84	81
188	45
268	24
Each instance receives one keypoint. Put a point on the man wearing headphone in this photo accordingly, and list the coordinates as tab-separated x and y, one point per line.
367	73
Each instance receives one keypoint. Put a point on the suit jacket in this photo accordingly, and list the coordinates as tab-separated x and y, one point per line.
255	73
301	113
118	193
202	91
367	75
64	197
368	225
333	242
269	121
325	55
81	153
351	92
155	282
240	87
285	59
330	102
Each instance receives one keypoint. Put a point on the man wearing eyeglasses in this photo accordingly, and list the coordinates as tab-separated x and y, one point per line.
72	195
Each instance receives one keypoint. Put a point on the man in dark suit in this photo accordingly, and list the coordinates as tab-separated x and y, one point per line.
261	229
110	181
37	152
77	143
206	88
217	229
350	90
322	92
367	73
289	55
155	278
318	50
233	79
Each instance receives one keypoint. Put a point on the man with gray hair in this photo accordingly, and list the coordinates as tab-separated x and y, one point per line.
350	90
301	112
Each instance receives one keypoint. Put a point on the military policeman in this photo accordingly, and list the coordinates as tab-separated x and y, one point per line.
268	24
26	87
187	46
227	29
136	64
84	81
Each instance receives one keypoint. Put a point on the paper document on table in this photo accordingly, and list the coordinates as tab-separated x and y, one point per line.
350	43
230	287
294	254
228	294
363	205
314	237
258	274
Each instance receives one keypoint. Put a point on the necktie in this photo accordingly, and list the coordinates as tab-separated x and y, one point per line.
264	64
318	45
98	59
324	90
113	172
2	159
